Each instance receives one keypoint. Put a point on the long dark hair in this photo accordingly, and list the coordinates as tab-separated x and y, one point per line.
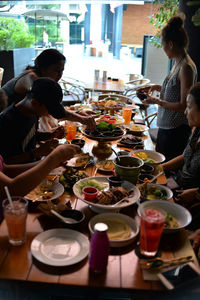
175	32
45	59
195	92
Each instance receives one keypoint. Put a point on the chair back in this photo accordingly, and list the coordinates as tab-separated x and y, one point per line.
1	75
135	76
73	91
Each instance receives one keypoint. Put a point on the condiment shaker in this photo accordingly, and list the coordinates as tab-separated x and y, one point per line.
99	248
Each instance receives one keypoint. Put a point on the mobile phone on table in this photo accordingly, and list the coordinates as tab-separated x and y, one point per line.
180	275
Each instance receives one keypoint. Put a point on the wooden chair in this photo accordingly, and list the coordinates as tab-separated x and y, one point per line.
134	77
153	131
1	75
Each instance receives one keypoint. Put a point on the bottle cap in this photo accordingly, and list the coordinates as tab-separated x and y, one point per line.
100	227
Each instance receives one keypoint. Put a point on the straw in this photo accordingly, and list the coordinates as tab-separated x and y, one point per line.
9	197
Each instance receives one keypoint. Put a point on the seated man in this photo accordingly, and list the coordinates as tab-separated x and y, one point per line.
19	123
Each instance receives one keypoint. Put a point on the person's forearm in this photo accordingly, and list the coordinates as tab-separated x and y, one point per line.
43	135
16	169
72	116
25	182
177	106
174	164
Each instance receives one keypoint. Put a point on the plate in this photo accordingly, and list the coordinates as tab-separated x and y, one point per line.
55	187
142	128
105	208
102	138
86	160
60	247
100	168
126	219
131	140
156	156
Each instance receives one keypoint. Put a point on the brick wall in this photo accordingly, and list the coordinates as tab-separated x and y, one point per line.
136	23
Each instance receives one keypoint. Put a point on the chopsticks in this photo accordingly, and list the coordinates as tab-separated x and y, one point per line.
159	263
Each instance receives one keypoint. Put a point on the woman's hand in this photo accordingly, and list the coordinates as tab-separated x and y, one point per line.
45	148
65	152
195	239
186	197
152	100
87	112
89	122
58	133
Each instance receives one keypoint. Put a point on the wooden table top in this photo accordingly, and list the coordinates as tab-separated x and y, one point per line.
123	270
107	86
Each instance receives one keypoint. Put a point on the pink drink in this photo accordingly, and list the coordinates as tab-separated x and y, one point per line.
152	224
16	220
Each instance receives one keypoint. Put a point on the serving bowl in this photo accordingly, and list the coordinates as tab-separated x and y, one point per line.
165	192
78	142
128	168
149	156
181	214
77	215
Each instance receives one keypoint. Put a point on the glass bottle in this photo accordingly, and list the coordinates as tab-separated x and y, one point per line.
99	248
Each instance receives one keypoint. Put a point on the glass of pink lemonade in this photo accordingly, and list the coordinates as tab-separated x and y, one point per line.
152	224
16	219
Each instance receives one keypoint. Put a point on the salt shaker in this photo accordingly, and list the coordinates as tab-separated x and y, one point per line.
99	248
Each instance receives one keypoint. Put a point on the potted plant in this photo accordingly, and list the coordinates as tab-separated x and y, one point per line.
15	47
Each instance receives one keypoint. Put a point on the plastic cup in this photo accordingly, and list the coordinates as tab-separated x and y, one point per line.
70	131
16	219
152	224
127	113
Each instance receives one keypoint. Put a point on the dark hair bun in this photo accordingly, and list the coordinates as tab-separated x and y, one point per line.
175	22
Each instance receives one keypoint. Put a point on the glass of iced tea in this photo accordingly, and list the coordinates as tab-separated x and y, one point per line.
127	113
151	228
16	219
71	128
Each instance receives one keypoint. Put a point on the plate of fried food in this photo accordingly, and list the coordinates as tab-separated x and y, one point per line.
137	129
80	161
122	229
47	190
107	199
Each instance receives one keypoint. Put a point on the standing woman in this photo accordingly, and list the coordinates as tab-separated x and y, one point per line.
174	131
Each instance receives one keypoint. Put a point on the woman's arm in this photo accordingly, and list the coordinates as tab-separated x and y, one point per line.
174	164
25	182
186	77
85	120
24	83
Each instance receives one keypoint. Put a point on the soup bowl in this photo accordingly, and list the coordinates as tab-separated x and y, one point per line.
128	167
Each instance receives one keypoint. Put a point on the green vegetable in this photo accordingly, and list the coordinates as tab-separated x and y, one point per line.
91	182
105	126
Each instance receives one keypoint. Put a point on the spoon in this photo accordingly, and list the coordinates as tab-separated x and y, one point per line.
155	177
64	219
118	157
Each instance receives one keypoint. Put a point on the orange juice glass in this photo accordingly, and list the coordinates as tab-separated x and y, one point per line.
71	131
126	113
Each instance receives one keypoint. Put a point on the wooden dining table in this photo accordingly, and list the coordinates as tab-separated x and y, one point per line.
123	277
107	86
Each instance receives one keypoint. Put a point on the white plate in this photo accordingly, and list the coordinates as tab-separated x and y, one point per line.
142	127
102	207
60	247
128	220
57	189
161	187
156	156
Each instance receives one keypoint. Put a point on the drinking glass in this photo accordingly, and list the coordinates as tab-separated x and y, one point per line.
127	113
71	128
151	228
16	219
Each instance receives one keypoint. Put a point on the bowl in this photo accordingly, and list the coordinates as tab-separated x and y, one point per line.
147	169
78	142
128	168
90	193
114	181
75	214
120	217
149	156
181	214
123	152
142	178
165	192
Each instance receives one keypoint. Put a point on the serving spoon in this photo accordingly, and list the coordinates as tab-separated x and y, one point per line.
118	157
64	219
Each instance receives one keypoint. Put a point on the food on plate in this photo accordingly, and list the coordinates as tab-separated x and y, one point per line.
112	196
70	176
110	103
131	139
153	192
104	129
92	183
41	192
105	126
106	165
117	229
82	160
144	156
171	222
136	128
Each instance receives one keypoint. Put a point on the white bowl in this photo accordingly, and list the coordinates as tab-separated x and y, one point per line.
156	156
169	193
128	220
181	214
